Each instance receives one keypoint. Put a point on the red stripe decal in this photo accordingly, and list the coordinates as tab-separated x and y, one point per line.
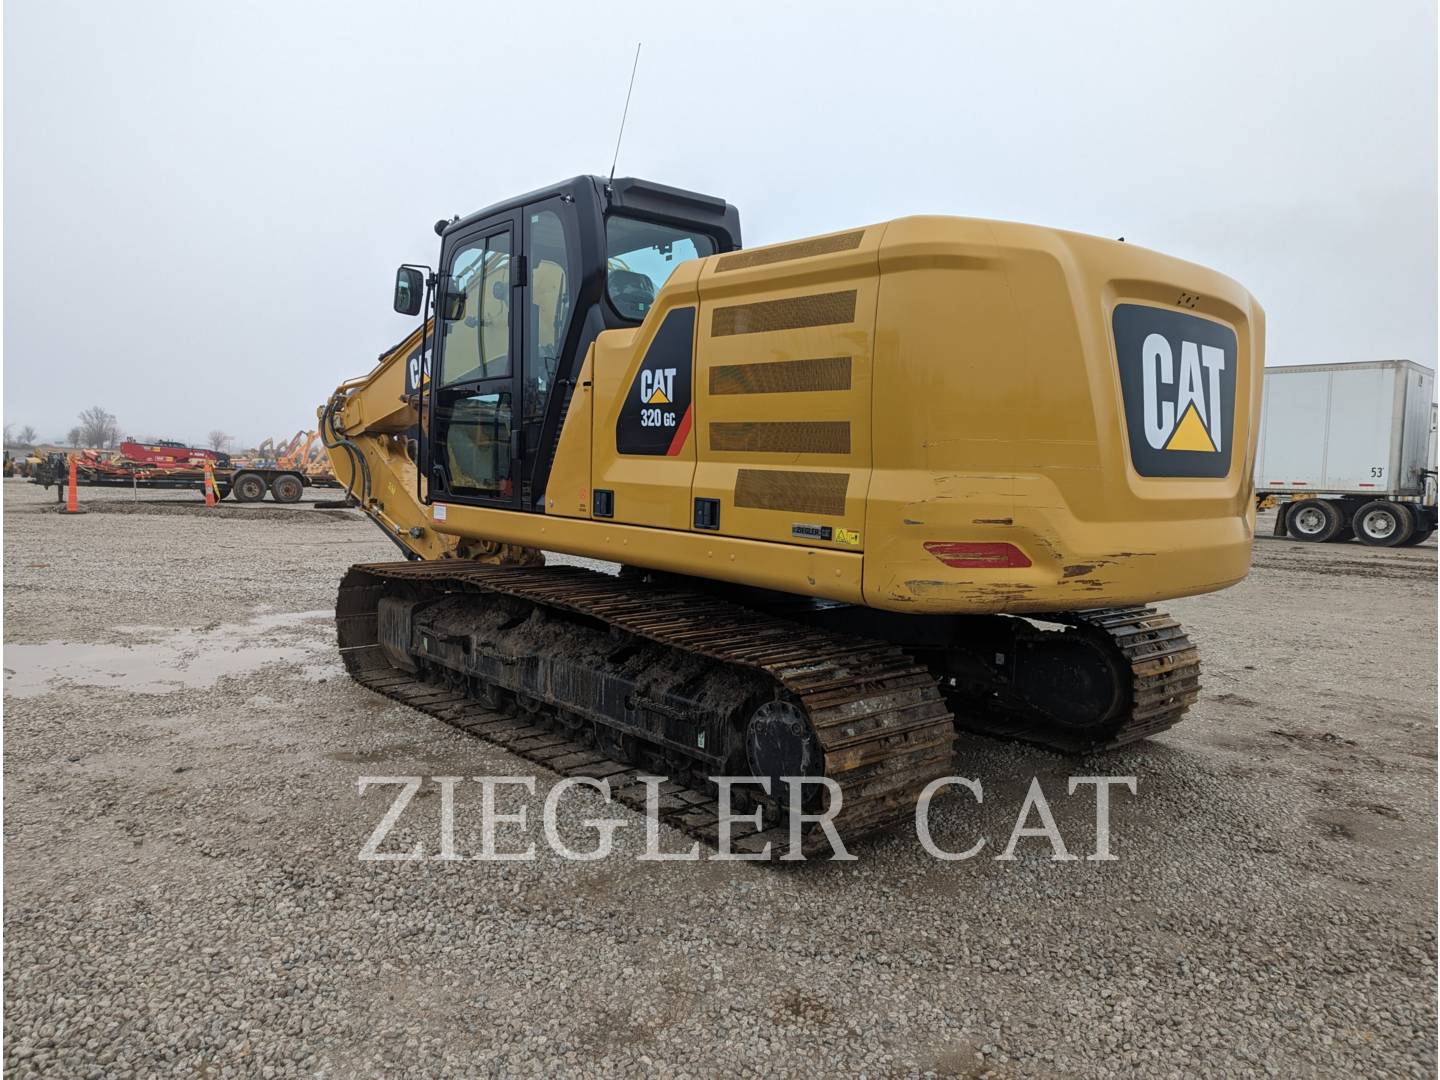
681	433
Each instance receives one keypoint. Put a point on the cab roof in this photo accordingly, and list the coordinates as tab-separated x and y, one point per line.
632	196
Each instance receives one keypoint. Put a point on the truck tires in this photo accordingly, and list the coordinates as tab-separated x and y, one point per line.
1383	523
287	488
248	487
1315	521
1424	525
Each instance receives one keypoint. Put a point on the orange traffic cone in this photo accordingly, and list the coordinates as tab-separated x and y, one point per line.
72	495
211	491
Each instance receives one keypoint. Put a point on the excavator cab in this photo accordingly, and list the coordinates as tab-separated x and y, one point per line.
522	290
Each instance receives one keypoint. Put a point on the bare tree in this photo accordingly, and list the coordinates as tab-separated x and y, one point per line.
8	437
98	428
73	438
219	440
27	435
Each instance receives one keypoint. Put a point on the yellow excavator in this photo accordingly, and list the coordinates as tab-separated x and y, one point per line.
864	489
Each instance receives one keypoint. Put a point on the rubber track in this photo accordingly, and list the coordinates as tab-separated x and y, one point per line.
881	722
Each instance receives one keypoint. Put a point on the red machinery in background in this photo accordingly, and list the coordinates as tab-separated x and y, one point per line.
168	452
168	464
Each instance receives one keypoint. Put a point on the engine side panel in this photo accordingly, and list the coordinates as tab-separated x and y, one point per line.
782	390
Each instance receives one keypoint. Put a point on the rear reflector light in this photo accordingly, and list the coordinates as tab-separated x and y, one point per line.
961	555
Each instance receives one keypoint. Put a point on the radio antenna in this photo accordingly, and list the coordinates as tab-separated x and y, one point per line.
624	114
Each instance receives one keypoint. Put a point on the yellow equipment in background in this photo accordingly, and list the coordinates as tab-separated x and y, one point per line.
834	469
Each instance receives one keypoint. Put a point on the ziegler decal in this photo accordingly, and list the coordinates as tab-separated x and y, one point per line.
1177	378
812	532
656	416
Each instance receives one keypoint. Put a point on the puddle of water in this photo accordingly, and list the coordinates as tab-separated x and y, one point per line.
174	660
276	620
261	620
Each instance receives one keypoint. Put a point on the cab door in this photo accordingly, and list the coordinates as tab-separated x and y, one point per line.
474	445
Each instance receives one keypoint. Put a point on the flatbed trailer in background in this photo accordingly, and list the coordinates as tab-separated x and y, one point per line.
1347	451
248	483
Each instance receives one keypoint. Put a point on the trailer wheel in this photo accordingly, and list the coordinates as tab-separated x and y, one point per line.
248	487
1314	521
221	490
1383	524
287	488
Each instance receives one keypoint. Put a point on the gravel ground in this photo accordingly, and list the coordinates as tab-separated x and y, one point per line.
183	894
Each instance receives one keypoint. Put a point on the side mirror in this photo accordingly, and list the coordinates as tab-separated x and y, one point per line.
409	290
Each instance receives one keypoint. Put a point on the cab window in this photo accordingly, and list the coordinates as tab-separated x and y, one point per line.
477	444
477	312
641	256
552	282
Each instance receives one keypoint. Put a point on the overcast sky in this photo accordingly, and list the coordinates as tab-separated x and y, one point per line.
204	202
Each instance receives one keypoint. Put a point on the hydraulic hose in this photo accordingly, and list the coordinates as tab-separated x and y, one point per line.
359	466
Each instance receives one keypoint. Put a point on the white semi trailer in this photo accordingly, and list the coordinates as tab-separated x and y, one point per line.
1348	451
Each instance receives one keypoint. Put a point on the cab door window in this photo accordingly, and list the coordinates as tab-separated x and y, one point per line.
477	445
476	312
